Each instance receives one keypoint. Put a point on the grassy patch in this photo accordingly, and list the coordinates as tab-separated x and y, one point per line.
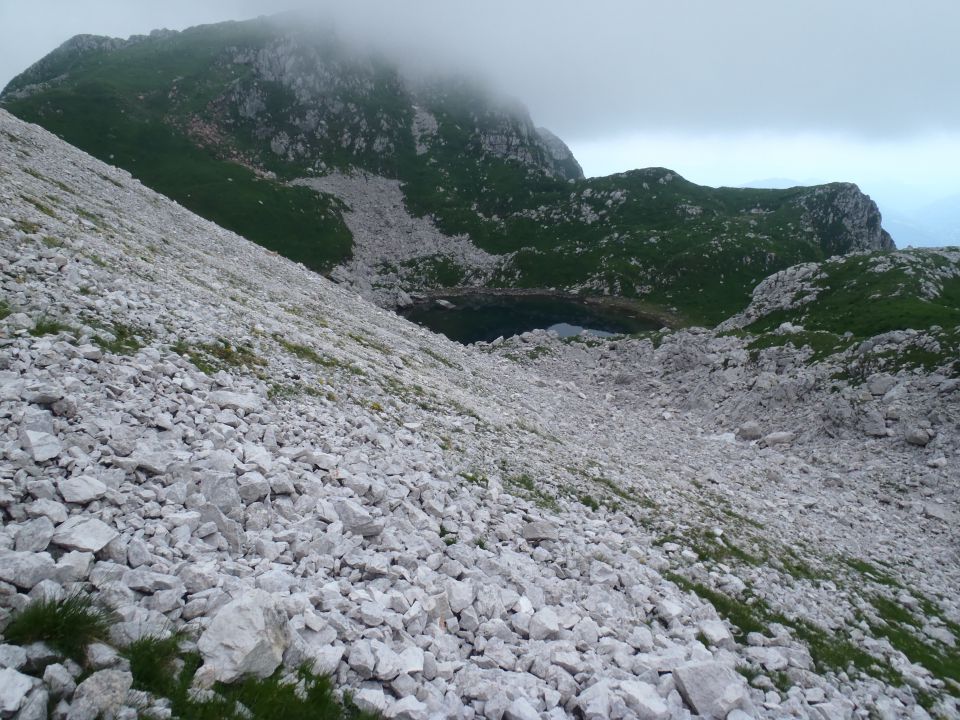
441	359
871	572
45	209
369	342
589	502
828	650
26	226
307	353
904	631
822	344
4	309
68	625
477	479
302	695
539	351
152	661
45	325
303	352
525	486
125	340
210	358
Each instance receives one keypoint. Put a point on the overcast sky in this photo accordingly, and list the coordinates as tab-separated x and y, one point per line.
724	91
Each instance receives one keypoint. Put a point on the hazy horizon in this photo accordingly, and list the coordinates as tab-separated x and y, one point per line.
724	92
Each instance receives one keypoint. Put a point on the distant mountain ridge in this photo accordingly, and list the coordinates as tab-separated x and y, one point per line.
222	117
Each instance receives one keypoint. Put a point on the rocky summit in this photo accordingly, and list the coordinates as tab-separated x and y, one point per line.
224	448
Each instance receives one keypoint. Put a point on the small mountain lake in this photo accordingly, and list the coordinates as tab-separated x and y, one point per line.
485	317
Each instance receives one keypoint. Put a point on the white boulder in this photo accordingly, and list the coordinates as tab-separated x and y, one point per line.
246	637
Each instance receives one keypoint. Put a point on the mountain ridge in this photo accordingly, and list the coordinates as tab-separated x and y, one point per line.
285	107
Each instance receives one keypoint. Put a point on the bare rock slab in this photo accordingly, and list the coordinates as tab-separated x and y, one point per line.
711	689
80	533
246	637
25	569
101	695
14	688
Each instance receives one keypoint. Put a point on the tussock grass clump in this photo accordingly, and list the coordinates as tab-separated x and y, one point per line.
46	325
68	625
303	695
212	357
152	662
126	340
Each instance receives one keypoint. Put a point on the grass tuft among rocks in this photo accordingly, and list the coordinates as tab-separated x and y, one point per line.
159	667
46	325
68	625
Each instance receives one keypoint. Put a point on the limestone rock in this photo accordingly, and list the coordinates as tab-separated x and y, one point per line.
81	490
100	695
246	402
42	446
81	533
356	519
749	431
247	636
644	700
539	530
14	688
711	689
26	569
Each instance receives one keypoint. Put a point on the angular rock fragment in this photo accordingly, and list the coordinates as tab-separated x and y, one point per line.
81	490
26	569
247	636
42	446
711	689
83	533
539	530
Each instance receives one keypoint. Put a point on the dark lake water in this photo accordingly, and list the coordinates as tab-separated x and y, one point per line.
477	318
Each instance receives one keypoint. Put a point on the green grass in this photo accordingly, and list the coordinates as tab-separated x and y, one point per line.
153	661
477	479
589	502
68	625
369	342
821	343
302	695
855	295
101	118
871	572
303	352
441	359
45	325
310	355
123	339
829	651
4	309
45	209
904	631
161	667
525	485
213	357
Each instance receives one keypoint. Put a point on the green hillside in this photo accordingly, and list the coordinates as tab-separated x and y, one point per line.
220	117
879	311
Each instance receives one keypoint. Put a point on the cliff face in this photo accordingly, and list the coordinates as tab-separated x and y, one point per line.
223	117
845	219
